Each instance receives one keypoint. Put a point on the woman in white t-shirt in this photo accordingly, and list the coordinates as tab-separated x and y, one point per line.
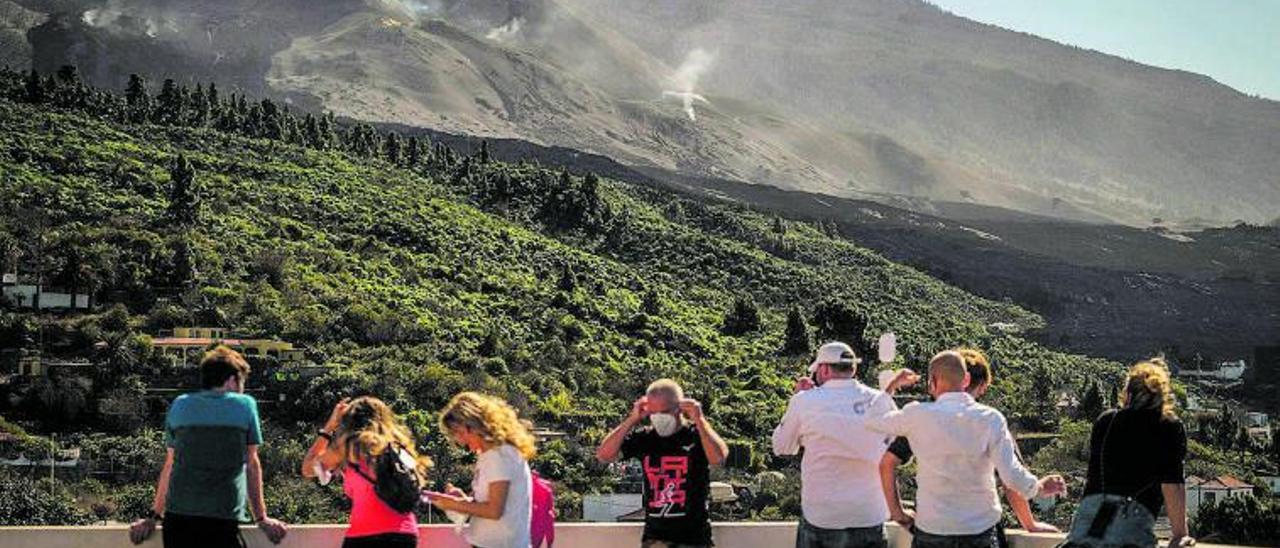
501	487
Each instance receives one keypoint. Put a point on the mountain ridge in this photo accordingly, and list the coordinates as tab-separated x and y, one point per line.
927	104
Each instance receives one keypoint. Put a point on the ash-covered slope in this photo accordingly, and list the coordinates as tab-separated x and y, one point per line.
893	100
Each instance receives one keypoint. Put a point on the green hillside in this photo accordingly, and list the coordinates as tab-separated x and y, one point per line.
415	273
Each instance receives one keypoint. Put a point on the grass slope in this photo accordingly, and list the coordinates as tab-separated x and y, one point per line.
415	284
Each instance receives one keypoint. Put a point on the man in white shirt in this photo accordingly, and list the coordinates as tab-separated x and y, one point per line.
958	444
839	478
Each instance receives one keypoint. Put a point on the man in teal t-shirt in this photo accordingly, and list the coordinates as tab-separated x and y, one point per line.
212	478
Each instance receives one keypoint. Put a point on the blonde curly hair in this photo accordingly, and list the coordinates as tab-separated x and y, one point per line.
1147	387
492	418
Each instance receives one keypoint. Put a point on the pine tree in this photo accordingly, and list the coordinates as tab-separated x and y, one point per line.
254	124
137	100
327	129
1092	404
212	96
68	76
289	130
796	339
364	141
414	151
833	321
492	343
35	89
779	226
391	147
68	90
651	304
169	108
311	131
484	151
1244	442
200	108
270	124
184	196
742	318
568	279
1275	449
1225	429
184	267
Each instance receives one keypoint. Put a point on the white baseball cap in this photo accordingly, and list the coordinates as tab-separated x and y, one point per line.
834	352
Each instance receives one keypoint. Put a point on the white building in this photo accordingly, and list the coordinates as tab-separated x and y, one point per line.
1205	491
1225	371
24	296
1257	425
1272	483
1255	419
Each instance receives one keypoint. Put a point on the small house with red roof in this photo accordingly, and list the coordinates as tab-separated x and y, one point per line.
1205	491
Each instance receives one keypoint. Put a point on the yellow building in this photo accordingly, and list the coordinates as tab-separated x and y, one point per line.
200	332
188	343
35	365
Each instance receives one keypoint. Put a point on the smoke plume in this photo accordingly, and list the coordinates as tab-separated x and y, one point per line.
685	80
505	32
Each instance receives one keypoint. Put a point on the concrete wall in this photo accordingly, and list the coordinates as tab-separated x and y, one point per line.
569	535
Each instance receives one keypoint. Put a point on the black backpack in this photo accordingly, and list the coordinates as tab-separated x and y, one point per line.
397	485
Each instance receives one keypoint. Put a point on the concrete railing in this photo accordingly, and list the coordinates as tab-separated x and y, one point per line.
568	535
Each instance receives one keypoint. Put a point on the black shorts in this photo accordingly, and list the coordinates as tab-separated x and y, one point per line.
385	540
179	531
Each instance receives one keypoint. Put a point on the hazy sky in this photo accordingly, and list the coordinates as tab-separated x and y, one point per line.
1236	42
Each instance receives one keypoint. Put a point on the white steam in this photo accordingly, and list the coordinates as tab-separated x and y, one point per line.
118	16
685	80
687	98
505	32
412	10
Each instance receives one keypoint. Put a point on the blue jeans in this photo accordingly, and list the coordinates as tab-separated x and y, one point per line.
1130	524
985	539
809	535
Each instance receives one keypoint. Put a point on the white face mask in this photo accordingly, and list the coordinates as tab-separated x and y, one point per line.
664	424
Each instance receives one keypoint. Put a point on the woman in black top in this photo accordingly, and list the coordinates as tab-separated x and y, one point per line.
1145	445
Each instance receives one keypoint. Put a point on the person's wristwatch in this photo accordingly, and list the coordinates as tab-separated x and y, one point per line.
325	434
155	516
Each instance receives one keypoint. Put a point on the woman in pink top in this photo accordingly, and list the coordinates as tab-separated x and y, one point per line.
357	432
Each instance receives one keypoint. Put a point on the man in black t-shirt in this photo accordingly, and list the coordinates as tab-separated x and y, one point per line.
677	451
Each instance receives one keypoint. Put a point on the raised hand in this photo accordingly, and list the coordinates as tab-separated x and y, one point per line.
902	379
339	411
691	409
804	383
640	409
1053	485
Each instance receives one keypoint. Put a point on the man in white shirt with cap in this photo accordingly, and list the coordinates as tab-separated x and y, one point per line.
840	498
